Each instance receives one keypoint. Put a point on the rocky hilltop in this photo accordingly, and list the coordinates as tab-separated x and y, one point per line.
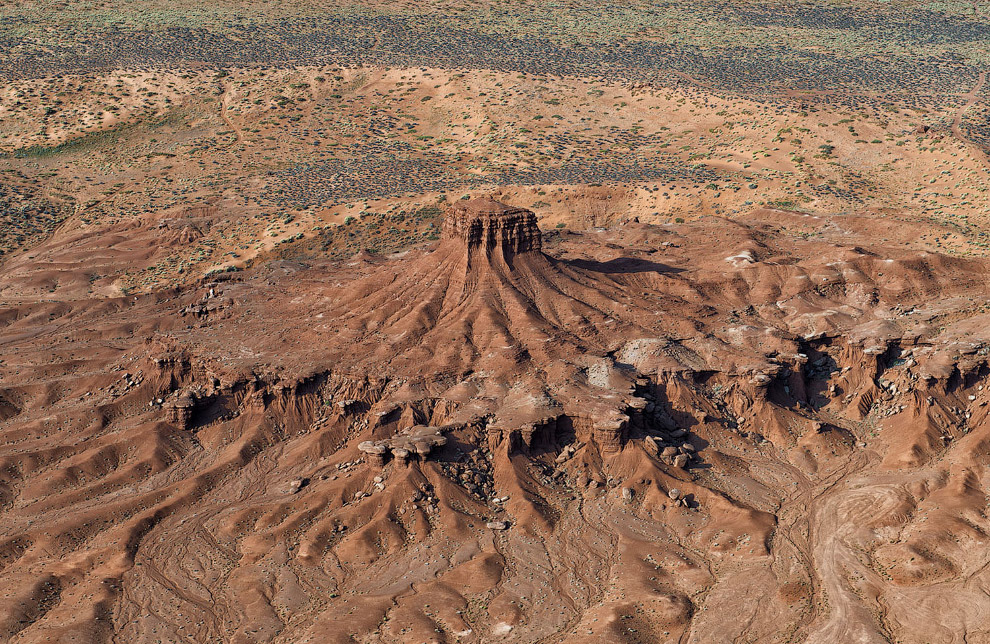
492	228
645	434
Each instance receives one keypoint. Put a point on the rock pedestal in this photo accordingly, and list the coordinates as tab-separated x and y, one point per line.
415	442
179	412
609	434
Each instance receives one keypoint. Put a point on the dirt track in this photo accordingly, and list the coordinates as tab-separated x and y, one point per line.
972	98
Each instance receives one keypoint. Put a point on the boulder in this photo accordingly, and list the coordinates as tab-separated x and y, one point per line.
651	446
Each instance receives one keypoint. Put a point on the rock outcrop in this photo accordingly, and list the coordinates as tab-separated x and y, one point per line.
416	442
491	229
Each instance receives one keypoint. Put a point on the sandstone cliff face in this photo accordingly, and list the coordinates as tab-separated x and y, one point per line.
491	229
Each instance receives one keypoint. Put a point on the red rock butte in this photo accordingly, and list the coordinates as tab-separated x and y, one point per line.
493	228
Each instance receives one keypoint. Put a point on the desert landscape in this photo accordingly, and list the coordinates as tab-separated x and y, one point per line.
409	322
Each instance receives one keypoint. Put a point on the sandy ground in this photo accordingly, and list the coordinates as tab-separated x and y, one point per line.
261	158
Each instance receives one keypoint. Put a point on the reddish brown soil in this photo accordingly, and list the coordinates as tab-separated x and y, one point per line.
772	431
